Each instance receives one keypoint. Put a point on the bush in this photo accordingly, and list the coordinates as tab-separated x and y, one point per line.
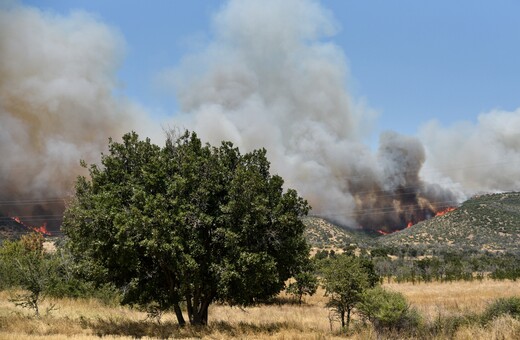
27	266
503	306
24	265
447	326
388	310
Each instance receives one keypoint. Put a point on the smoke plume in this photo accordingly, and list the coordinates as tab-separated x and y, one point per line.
57	79
271	79
480	157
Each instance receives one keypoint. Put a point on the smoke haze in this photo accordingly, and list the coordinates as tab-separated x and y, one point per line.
479	157
57	78
270	77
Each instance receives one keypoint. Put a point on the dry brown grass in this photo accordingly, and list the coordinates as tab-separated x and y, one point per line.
501	328
454	298
89	319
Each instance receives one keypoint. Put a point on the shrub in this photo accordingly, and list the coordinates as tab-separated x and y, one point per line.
446	326
503	306
387	310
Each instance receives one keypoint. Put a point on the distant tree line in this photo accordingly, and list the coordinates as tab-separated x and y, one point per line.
409	264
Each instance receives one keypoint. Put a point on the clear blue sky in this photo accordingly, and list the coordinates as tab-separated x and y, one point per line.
411	60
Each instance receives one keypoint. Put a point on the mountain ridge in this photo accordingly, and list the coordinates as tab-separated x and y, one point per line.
489	222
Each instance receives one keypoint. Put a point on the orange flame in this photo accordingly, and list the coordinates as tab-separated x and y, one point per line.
41	229
382	232
444	211
409	224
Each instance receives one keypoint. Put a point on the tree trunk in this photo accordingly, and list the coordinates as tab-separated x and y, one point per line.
199	315
178	313
189	307
348	317
342	316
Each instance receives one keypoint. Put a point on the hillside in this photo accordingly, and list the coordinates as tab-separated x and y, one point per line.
10	229
323	234
488	222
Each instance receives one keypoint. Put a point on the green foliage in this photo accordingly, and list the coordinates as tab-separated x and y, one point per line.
503	306
305	283
187	223
344	279
321	254
387	310
446	326
25	265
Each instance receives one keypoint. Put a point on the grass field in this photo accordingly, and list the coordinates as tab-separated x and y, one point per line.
89	319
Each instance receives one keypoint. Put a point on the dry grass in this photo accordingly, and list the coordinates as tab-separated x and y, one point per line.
454	298
89	319
501	328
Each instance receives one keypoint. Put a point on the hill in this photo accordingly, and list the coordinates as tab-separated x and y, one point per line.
321	233
487	222
11	229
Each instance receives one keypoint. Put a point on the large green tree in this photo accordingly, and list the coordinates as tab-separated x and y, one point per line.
187	223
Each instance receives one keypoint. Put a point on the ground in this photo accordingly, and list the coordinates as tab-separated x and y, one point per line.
89	319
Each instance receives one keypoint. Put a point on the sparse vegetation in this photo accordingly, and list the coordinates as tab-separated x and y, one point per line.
448	310
483	223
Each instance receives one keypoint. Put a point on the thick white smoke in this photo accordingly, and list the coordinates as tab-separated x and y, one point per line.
57	103
479	157
271	79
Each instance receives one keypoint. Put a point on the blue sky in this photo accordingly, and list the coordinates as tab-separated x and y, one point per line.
412	61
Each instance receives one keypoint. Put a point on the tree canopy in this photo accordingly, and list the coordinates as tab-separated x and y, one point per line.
187	223
345	278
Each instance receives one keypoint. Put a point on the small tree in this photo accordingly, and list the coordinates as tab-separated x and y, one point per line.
344	280
305	283
28	267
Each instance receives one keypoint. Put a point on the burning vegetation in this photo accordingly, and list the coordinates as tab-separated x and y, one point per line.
442	212
42	229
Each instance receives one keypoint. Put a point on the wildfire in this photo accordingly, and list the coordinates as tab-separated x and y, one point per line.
444	211
411	223
41	229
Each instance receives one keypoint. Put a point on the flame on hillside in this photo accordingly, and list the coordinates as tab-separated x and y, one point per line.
411	223
42	229
444	211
